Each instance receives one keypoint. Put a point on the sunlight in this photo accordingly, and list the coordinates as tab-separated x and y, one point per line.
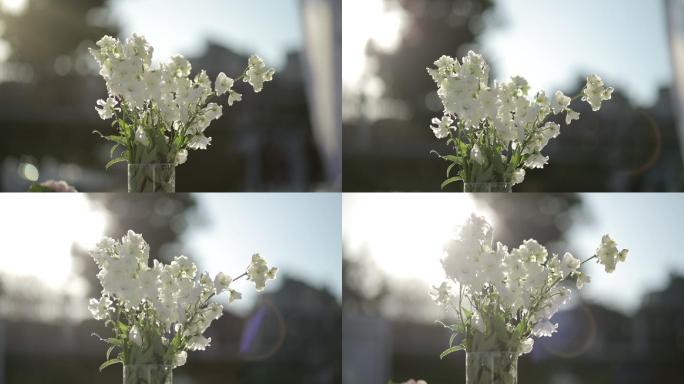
13	6
363	21
405	233
40	232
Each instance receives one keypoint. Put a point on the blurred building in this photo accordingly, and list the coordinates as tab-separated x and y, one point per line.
291	336
594	344
263	143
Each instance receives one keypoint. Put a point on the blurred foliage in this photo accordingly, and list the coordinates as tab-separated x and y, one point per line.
48	29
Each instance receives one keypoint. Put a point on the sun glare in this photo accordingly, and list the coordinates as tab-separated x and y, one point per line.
12	6
364	21
39	233
405	234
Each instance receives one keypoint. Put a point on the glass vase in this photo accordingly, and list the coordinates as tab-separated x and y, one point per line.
151	177
492	367
147	374
488	187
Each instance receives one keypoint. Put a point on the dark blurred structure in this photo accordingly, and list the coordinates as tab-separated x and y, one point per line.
297	326
49	94
620	148
594	345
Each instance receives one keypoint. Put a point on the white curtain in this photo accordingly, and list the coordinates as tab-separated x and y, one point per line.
675	22
322	23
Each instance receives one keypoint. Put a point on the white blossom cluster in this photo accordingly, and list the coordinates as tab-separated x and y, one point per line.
168	300
503	129
163	101
505	295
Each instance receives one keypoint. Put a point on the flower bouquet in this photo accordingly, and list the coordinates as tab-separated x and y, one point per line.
505	298
158	313
159	112
497	131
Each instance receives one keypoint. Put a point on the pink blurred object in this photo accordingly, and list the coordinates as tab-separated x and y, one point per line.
58	186
415	382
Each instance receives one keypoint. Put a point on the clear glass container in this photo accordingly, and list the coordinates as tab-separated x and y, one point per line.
488	187
147	374
151	177
492	367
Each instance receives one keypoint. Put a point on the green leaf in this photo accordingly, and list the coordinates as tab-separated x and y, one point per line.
450	350
114	341
35	187
114	161
109	351
450	180
451	340
116	139
111	152
449	168
110	362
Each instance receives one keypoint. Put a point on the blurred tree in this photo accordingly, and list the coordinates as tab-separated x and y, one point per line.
434	28
364	286
161	219
543	216
46	30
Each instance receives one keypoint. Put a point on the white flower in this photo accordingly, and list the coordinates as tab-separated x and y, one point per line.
234	295
441	127
526	346
198	343
608	254
259	273
222	282
233	97
223	84
181	156
108	108
257	73
571	115
536	160
199	142
569	264
544	328
594	92
559	102
179	66
582	279
141	136
100	308
441	294
518	176
179	359
476	155
134	336
477	323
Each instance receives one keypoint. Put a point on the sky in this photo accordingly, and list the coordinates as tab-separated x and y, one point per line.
268	28
551	43
298	233
404	235
264	27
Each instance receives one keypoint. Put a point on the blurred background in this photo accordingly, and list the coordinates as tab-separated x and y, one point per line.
632	144
624	327
290	333
287	138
